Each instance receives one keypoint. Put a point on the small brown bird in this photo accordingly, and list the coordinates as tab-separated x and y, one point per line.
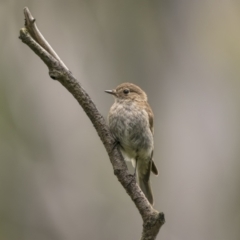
130	120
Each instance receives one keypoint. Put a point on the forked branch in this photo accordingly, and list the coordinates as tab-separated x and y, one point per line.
31	36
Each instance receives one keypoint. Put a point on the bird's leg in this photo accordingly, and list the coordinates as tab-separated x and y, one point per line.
115	144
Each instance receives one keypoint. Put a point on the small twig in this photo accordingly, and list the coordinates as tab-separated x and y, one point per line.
30	24
31	36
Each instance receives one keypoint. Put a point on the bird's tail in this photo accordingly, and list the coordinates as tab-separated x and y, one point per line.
143	175
146	188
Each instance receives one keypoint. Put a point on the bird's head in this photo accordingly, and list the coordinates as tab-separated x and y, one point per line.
128	91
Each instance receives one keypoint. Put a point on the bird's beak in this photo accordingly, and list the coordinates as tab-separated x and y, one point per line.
113	92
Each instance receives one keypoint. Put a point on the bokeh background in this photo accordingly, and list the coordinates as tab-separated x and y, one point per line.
56	181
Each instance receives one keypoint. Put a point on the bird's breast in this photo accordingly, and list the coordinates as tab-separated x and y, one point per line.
130	125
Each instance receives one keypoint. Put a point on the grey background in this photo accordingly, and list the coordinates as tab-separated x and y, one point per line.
56	181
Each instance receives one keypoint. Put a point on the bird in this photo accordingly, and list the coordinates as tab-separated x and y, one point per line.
130	120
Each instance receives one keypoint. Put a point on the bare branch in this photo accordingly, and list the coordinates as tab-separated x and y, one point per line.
31	36
30	24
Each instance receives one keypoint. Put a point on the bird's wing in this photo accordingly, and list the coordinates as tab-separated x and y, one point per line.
150	116
150	119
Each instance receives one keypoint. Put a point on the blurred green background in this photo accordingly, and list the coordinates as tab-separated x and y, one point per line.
56	181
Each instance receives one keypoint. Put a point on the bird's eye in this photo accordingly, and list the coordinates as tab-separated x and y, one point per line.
126	91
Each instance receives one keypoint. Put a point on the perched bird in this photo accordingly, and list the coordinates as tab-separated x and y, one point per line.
130	120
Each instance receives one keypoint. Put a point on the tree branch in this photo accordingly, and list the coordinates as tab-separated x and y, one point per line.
31	36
